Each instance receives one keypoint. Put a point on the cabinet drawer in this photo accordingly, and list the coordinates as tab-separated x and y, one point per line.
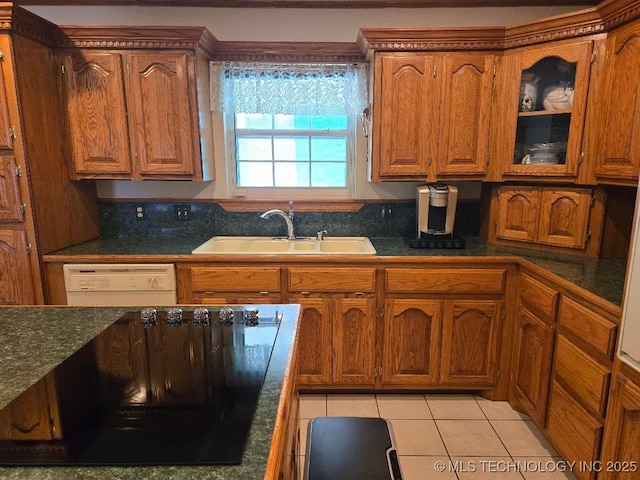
443	280
539	298
235	279
309	279
590	327
572	431
581	373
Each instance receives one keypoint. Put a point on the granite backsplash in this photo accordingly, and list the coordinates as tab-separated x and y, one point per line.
209	219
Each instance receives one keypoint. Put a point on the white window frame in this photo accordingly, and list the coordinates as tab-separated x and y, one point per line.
305	193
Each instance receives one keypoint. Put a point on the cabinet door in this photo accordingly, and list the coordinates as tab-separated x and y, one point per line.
162	111
467	82
314	341
15	281
518	213
6	129
406	116
550	111
533	354
619	119
470	331
622	432
97	114
411	346
9	191
564	217
354	341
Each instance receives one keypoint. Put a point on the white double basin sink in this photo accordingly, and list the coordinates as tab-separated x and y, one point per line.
227	245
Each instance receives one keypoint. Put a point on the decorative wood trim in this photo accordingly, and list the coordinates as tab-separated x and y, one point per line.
604	17
121	37
25	23
289	52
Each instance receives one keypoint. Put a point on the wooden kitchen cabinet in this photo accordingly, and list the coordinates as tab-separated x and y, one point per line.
581	374
136	114
406	116
10	203
544	112
36	195
431	115
470	335
621	442
534	347
557	217
618	153
411	347
337	326
16	285
224	285
433	335
467	92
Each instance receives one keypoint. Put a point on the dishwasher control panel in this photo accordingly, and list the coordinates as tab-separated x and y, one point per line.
125	284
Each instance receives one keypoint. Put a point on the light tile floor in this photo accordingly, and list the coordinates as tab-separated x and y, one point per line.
449	436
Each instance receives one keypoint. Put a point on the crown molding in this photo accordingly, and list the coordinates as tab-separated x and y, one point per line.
590	21
288	52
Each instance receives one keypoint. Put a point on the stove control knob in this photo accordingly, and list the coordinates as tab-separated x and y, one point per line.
148	317
201	317
174	317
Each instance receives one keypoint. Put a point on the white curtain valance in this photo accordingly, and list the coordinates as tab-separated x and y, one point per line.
293	89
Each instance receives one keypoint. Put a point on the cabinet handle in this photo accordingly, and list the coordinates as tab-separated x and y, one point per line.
429	160
435	71
23	208
359	294
12	132
29	249
264	294
18	170
306	294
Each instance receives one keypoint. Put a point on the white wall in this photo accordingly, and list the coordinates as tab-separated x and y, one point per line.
275	25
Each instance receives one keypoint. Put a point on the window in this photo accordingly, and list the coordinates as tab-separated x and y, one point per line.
292	150
290	125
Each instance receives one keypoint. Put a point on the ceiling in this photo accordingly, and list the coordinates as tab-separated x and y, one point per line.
319	3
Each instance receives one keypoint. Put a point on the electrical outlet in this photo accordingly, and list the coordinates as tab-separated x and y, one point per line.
182	212
387	211
140	213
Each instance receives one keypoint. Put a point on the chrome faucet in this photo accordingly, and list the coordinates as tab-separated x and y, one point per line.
288	218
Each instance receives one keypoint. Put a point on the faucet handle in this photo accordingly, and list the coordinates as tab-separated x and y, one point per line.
320	235
291	209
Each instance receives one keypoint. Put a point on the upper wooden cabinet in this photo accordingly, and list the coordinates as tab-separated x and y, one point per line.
618	150
135	114
543	109
556	217
431	115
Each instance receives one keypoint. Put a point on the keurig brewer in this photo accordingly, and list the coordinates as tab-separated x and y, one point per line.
436	211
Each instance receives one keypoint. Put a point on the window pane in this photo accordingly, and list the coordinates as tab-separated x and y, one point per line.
253	120
291	148
288	174
255	174
329	149
254	148
328	174
291	122
329	122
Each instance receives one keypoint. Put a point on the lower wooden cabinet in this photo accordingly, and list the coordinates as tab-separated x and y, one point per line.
620	459
337	340
470	334
532	367
411	345
441	342
16	287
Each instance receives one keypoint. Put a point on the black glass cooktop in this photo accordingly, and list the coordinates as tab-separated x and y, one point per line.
174	388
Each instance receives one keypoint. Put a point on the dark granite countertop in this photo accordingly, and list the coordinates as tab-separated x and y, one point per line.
602	277
34	340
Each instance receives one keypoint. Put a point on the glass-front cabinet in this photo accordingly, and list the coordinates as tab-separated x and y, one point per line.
547	108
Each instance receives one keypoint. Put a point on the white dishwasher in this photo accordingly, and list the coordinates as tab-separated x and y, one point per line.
120	284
